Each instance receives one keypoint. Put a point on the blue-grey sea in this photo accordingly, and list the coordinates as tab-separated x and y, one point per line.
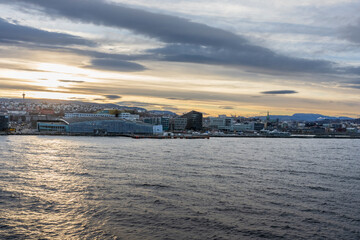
54	187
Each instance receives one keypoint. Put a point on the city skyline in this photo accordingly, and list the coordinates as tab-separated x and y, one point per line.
223	57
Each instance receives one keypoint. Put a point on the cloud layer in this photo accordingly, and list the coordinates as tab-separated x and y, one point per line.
187	41
275	92
109	96
352	32
148	57
13	33
116	65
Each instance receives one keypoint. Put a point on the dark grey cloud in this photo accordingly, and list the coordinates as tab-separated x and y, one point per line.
19	67
357	81
100	60
12	33
280	92
110	96
166	107
179	98
22	87
109	61
188	41
115	56
28	37
167	28
351	86
351	83
115	65
78	98
282	27
14	80
352	70
170	108
137	104
70	81
226	107
250	56
351	32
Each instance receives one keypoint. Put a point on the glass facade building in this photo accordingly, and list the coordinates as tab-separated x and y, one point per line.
4	122
164	121
110	126
96	125
52	127
194	120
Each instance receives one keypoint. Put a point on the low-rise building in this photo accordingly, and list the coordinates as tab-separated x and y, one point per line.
248	126
243	127
222	122
164	121
52	126
178	124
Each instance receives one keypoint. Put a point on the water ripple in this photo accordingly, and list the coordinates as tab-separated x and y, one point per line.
120	188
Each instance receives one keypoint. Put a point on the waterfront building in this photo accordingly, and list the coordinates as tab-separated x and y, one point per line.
128	116
158	129
248	126
164	121
194	120
52	126
152	120
222	122
178	124
257	126
98	125
4	122
18	116
243	127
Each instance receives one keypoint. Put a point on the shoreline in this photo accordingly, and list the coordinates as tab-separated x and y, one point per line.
185	136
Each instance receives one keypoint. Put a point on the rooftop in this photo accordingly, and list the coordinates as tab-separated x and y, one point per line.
92	119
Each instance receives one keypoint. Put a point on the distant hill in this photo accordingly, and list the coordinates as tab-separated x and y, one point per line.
58	101
123	107
306	117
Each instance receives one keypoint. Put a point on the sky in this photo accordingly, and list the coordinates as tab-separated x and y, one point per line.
234	57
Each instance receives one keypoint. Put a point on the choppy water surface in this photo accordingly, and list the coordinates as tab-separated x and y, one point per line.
121	188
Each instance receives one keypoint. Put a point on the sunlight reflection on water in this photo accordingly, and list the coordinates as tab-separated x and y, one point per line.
108	188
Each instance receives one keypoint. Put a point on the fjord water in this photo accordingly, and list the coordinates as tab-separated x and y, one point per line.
222	188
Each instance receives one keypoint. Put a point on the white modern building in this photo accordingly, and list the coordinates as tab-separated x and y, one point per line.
222	122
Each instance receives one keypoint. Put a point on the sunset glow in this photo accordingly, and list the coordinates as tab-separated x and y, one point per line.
253	59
